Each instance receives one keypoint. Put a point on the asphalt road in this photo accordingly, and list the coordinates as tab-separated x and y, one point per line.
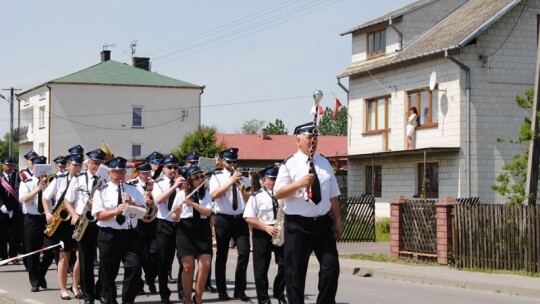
15	288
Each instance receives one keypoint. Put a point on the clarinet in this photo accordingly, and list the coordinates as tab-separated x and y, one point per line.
317	96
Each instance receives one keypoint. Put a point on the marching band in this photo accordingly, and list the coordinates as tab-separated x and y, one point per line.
167	210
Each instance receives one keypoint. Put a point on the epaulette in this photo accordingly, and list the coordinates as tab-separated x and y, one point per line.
103	186
286	159
159	179
257	192
82	173
133	181
25	176
61	174
218	172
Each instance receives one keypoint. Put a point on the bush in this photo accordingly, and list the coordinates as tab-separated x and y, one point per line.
382	230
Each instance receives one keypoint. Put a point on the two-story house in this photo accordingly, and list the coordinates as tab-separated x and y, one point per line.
460	63
134	110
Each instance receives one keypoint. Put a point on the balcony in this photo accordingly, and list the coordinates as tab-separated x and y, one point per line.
23	134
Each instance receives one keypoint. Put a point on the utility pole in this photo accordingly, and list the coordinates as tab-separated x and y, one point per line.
11	99
534	147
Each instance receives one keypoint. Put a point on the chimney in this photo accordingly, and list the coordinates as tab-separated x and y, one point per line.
142	63
264	133
105	55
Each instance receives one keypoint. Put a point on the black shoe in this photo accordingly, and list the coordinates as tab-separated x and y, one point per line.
210	288
88	302
165	301
43	283
16	262
141	292
282	300
172	280
78	295
181	298
65	297
152	288
223	296
242	296
34	289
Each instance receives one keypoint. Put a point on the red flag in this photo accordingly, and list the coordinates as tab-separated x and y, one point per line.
336	108
321	111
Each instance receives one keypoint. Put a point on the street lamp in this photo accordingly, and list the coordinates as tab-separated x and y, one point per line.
10	124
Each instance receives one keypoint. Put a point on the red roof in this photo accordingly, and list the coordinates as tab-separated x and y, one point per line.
279	147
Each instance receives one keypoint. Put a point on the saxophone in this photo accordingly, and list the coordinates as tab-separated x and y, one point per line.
279	238
86	215
60	215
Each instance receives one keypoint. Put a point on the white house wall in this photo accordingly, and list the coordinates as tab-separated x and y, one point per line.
88	114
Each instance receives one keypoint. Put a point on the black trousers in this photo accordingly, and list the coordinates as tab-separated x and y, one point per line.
34	225
149	250
262	254
16	224
304	235
4	235
228	227
87	254
166	239
115	246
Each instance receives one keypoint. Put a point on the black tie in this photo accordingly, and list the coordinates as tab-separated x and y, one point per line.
40	204
173	195
94	183
234	197
275	204
120	219
196	214
316	186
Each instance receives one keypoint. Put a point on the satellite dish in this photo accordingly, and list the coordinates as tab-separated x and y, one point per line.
433	81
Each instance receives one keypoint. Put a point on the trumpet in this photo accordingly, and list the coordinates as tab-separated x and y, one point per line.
151	212
247	190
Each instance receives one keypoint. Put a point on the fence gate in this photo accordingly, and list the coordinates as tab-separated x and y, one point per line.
357	218
419	233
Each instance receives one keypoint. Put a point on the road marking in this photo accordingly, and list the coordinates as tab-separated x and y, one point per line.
3	291
31	301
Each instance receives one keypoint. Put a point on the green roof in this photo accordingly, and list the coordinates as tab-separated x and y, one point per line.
115	73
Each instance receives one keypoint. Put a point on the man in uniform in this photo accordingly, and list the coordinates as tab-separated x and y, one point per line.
11	217
30	195
164	192
60	162
78	194
308	225
229	223
147	231
117	239
260	213
29	171
155	159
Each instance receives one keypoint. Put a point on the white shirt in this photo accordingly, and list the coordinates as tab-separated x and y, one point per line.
79	190
223	204
106	198
27	186
160	186
187	211
293	169
55	189
260	206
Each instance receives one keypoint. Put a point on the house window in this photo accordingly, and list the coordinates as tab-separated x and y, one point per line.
41	148
374	180
136	150
41	95
377	114
376	43
430	185
137	117
42	117
427	105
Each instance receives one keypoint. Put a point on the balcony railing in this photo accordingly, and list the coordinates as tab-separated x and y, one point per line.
22	135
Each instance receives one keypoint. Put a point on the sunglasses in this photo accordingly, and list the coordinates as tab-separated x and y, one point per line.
199	176
171	167
231	161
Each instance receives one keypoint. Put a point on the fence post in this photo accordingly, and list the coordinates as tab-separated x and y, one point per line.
396	243
444	208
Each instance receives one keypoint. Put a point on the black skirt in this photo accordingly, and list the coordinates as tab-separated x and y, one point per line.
193	237
64	233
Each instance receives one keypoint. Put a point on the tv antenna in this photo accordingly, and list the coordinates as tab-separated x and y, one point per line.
133	47
106	46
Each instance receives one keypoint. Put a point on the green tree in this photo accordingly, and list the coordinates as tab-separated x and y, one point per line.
328	125
277	128
4	148
252	126
203	141
511	182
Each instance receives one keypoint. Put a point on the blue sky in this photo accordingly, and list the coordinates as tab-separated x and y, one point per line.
258	59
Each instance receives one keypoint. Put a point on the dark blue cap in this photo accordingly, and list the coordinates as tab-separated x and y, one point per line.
76	150
192	157
96	154
154	158
182	170
39	160
75	159
7	160
117	163
271	171
170	160
144	167
31	155
60	160
230	154
306	128
191	170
